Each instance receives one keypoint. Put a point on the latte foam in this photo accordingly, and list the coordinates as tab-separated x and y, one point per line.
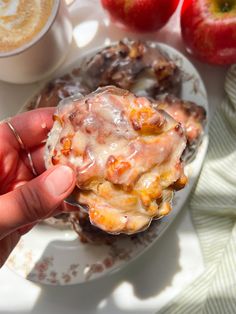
21	21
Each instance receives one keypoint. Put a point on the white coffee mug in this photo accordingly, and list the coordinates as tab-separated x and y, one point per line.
43	54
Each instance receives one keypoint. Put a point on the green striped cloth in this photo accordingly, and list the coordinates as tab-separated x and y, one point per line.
213	209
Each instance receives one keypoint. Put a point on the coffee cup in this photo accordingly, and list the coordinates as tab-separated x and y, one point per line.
35	36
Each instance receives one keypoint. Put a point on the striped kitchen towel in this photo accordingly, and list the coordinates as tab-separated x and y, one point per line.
213	209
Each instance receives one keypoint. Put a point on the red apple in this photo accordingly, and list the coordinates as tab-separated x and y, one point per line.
141	15
209	30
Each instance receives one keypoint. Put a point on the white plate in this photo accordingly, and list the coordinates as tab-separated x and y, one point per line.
57	257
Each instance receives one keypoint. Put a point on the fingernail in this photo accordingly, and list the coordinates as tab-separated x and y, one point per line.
59	180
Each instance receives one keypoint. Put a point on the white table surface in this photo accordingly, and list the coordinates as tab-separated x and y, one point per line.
170	264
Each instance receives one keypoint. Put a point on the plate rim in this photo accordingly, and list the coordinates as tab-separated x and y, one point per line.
200	154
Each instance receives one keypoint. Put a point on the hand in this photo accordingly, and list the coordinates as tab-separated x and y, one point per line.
24	199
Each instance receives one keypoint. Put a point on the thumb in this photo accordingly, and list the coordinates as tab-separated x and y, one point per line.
36	199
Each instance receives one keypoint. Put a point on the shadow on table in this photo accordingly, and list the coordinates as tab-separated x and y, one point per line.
209	306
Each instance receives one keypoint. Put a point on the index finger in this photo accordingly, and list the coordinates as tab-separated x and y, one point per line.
32	126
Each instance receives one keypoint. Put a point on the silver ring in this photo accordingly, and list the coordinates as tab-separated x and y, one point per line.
31	163
17	136
22	147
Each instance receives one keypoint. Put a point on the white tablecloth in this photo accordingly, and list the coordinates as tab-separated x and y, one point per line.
170	264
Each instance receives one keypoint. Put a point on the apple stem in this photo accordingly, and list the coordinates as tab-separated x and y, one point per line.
225	7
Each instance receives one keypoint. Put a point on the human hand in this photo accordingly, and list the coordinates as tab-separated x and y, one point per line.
24	198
